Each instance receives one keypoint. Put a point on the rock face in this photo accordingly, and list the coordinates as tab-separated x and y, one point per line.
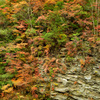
80	86
77	84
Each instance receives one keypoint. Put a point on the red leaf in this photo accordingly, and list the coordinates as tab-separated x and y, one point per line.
98	27
35	95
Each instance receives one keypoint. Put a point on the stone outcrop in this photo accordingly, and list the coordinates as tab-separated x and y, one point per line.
76	84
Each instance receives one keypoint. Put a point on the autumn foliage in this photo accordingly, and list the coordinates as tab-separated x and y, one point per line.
39	29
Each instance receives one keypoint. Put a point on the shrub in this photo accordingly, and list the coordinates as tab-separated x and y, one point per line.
55	39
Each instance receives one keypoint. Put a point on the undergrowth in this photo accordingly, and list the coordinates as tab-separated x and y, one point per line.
41	28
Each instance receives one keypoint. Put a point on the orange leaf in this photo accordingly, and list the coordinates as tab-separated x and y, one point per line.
9	90
82	62
53	75
17	82
35	95
52	88
81	66
5	87
34	88
75	82
2	94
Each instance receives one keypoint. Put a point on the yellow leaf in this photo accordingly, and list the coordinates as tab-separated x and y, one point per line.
5	87
56	84
8	90
47	46
21	96
50	1
82	62
23	2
